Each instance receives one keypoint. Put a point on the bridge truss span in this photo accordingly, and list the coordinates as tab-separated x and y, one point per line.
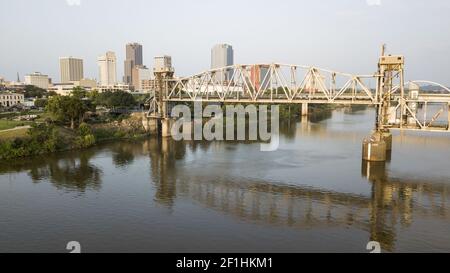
275	83
396	107
425	110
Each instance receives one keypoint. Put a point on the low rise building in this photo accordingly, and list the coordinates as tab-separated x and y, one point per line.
88	84
140	73
29	103
65	89
117	87
62	89
38	79
8	99
15	86
147	85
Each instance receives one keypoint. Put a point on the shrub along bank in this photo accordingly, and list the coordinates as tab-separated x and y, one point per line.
49	138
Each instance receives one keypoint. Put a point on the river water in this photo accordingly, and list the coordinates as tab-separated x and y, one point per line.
314	194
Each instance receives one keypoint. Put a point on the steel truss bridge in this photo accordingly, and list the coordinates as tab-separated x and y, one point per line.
398	106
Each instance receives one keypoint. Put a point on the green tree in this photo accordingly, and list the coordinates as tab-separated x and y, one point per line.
40	103
79	92
67	108
51	93
116	99
85	136
93	95
84	129
32	91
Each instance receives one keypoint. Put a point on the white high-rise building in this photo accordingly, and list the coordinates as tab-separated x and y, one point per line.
37	79
107	69
71	69
222	55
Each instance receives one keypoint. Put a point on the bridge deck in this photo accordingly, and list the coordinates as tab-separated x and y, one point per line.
316	100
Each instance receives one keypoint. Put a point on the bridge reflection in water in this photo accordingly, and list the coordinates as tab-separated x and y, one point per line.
222	177
392	201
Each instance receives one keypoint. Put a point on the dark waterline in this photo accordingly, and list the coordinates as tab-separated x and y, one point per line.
314	194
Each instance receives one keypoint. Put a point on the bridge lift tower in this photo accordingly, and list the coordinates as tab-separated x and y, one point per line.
158	115
390	74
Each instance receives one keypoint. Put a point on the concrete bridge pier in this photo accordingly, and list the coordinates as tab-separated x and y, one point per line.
304	109
158	126
166	127
150	125
387	137
375	148
448	117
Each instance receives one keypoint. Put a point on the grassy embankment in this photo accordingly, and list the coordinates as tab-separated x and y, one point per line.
12	134
43	138
11	124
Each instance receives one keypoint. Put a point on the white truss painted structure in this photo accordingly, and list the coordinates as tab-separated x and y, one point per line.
434	107
289	84
275	83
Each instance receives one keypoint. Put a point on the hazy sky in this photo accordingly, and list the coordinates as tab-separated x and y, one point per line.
343	35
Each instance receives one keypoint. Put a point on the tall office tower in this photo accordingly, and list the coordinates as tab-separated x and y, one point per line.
71	69
222	55
107	69
133	58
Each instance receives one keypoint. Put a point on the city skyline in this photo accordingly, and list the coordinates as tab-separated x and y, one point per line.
331	42
218	135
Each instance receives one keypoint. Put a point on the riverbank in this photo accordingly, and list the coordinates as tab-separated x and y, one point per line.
43	138
9	134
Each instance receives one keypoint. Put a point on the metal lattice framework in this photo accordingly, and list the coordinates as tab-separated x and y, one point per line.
289	84
433	105
274	83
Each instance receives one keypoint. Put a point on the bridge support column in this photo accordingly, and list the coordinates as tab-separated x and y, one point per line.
166	127
387	137
150	125
153	126
304	109
448	116
375	148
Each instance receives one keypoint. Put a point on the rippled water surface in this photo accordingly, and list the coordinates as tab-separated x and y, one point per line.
314	194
